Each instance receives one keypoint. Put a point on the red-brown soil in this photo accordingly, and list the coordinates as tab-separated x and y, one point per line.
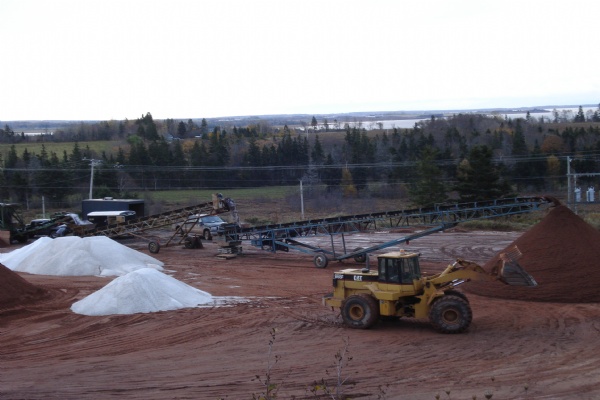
562	253
16	291
513	349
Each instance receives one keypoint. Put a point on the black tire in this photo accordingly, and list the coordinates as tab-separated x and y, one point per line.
22	239
360	258
189	243
360	311
320	261
450	314
154	247
457	293
207	235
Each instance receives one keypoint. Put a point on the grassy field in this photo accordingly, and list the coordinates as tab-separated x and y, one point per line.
59	148
255	205
199	195
259	206
281	204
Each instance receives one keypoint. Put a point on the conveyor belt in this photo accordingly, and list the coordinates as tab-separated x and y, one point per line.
283	237
138	226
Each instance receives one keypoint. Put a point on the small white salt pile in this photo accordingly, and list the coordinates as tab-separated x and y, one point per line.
75	256
142	291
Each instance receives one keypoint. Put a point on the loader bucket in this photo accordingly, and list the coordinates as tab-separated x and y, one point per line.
513	274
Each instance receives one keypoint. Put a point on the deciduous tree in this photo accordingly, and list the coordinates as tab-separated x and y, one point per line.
348	187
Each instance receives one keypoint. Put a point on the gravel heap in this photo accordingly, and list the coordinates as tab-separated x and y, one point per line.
562	253
15	290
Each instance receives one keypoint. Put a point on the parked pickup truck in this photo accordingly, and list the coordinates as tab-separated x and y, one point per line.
207	225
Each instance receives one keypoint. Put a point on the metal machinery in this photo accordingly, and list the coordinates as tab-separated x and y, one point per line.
48	226
399	289
288	236
11	223
140	226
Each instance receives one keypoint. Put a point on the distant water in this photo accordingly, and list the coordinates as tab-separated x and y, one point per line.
548	116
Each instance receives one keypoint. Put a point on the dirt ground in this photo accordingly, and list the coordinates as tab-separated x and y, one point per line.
513	349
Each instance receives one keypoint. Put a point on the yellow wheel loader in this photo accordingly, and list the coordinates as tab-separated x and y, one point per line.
398	289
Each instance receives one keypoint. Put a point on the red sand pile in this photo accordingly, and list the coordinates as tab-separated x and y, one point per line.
562	253
15	290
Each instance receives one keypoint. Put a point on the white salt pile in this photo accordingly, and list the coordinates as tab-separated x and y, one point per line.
75	256
142	291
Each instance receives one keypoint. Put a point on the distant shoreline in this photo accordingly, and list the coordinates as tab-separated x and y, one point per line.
37	127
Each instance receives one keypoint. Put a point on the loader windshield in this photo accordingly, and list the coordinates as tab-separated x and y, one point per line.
401	270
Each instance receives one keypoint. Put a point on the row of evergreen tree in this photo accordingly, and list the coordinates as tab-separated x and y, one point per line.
478	157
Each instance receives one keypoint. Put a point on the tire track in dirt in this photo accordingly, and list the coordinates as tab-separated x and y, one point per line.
216	351
477	246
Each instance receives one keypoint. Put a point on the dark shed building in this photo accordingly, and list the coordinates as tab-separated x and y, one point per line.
110	204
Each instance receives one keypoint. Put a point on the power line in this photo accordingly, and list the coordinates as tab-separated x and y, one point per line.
341	165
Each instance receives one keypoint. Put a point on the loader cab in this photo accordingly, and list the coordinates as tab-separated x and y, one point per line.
399	267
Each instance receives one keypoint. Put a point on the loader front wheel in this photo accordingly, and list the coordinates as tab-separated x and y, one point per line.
450	314
457	293
360	311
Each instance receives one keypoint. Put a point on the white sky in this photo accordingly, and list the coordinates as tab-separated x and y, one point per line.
117	59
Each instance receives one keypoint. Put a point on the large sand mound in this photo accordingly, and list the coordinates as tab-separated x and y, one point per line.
562	253
16	290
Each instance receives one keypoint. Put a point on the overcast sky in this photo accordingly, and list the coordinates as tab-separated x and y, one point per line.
117	59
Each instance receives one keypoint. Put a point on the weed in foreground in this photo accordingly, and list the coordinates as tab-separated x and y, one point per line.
270	388
335	392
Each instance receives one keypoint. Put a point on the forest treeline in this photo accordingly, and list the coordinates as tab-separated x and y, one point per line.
465	156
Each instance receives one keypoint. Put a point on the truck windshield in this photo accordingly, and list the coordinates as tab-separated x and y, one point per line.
211	219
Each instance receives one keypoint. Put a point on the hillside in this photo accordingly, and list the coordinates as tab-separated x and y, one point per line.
522	155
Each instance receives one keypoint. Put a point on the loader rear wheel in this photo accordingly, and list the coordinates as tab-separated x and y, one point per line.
320	261
360	311
450	314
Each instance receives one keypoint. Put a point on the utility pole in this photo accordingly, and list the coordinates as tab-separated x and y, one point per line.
568	181
93	163
301	199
